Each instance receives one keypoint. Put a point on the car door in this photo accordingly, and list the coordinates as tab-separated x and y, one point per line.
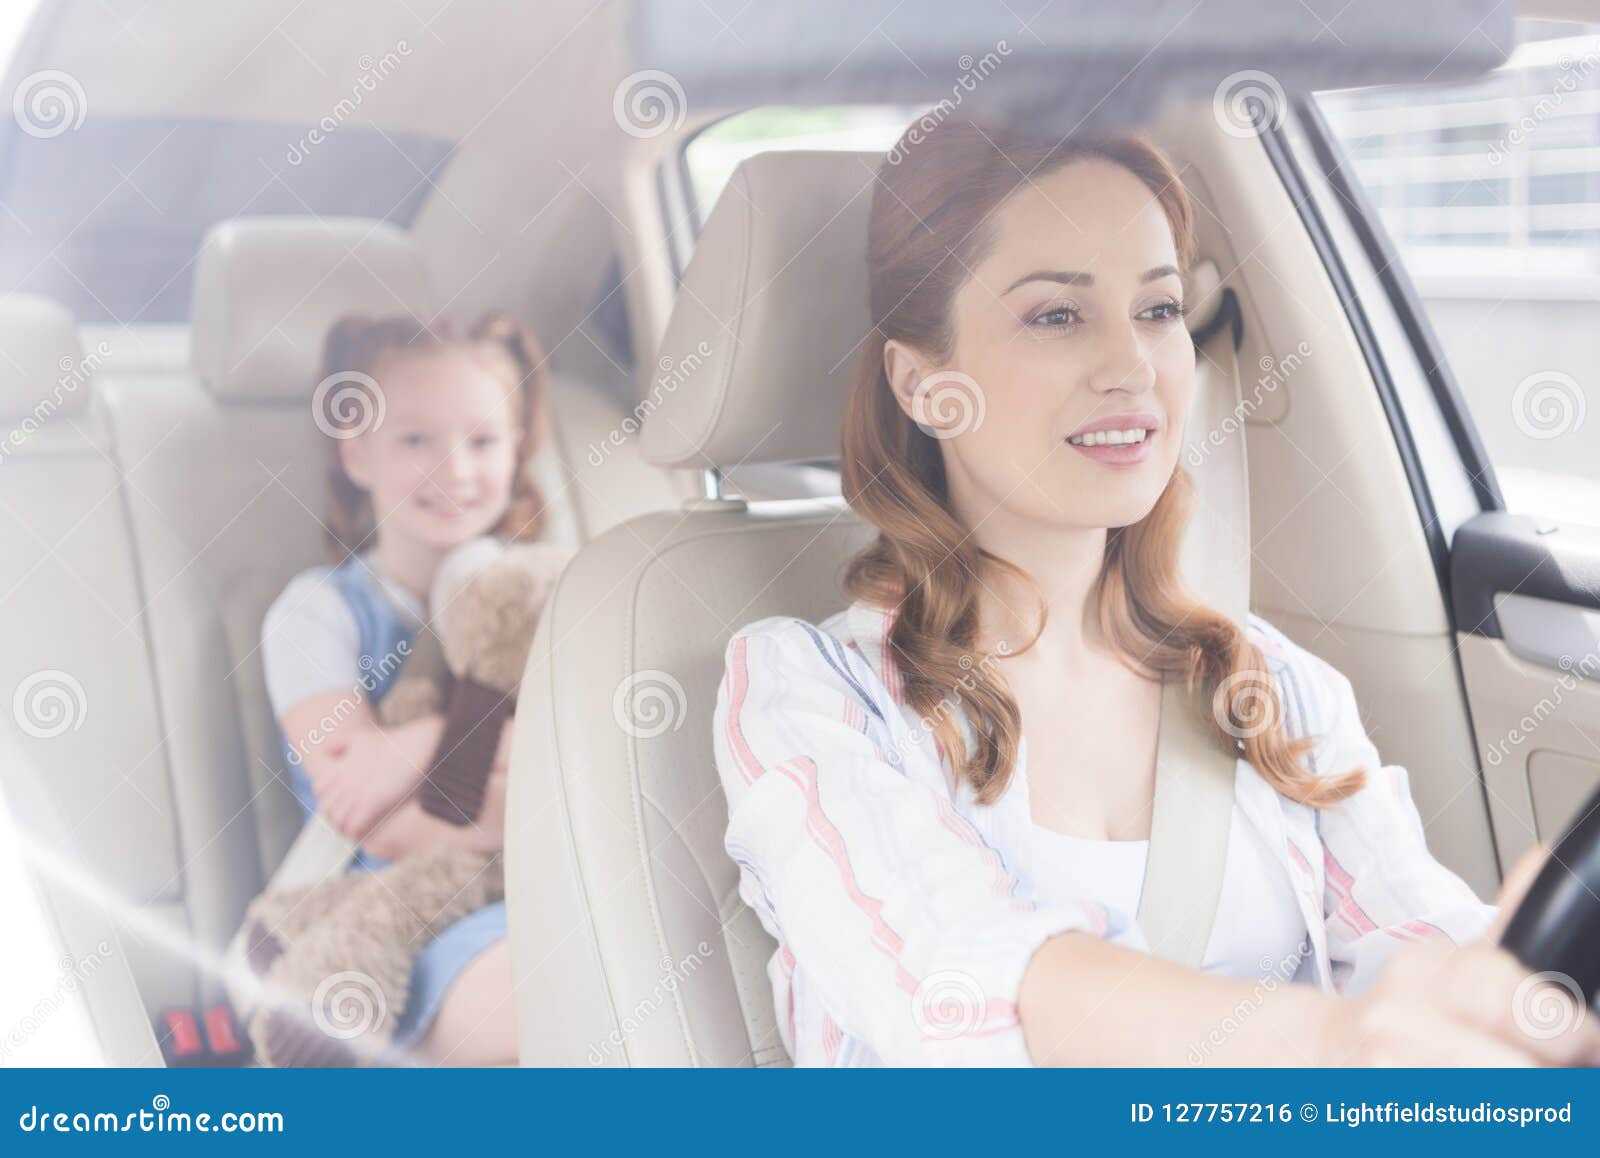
1472	214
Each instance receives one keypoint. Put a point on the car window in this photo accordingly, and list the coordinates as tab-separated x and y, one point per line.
1490	192
103	211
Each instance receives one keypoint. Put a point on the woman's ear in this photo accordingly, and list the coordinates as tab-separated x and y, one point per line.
905	369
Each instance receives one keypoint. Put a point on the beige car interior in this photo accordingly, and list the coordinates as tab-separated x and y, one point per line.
167	508
177	486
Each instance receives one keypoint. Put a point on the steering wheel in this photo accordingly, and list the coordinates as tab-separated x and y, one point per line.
1557	927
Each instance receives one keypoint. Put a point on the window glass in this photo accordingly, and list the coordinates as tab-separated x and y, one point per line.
713	155
1491	193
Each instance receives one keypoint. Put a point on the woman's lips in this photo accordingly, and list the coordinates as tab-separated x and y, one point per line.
1128	454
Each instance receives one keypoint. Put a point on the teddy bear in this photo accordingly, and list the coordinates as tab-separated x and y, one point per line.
330	963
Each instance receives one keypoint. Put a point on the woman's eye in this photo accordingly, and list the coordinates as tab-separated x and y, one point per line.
1165	312
485	441
413	440
1057	318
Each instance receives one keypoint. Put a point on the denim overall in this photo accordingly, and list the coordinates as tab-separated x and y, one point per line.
381	630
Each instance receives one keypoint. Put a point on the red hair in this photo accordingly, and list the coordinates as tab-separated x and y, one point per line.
932	221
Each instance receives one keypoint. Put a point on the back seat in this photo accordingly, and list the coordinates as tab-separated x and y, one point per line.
155	602
75	666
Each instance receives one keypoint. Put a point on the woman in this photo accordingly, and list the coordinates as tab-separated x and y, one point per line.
944	892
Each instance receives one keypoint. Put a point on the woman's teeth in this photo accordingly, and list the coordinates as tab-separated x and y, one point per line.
1107	437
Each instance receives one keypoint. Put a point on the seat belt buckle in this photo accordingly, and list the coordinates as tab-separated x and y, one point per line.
181	1041
210	1039
228	1046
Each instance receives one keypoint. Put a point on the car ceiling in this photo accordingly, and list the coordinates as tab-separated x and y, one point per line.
522	90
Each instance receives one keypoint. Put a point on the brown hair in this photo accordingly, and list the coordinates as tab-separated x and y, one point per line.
932	221
354	351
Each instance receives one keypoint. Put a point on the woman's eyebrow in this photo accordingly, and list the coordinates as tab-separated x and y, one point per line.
1075	277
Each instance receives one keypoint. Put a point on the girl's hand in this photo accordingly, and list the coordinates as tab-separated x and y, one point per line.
1436	1005
354	799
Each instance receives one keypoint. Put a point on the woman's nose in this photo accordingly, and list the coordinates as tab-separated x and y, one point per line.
1124	362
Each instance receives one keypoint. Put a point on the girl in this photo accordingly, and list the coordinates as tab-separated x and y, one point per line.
432	438
969	896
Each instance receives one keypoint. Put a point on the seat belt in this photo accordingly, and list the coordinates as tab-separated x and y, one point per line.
1194	781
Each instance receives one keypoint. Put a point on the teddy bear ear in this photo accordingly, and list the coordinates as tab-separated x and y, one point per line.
459	567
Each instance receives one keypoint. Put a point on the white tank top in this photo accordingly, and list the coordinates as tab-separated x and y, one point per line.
1259	930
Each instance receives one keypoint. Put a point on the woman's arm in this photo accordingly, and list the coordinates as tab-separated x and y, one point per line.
1085	1002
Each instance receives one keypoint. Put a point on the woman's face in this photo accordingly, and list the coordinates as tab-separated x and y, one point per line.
1071	322
439	465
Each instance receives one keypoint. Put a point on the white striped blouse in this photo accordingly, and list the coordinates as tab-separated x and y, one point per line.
905	914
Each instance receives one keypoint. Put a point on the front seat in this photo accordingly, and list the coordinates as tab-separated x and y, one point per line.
630	945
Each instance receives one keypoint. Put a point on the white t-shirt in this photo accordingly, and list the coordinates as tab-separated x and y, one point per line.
310	643
1259	930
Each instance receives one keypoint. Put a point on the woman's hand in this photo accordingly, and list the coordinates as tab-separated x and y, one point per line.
1436	1005
1476	1005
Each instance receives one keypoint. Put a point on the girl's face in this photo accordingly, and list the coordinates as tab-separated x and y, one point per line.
1073	317
439	467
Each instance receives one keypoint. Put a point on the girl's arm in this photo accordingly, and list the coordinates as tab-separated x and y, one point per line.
410	829
359	769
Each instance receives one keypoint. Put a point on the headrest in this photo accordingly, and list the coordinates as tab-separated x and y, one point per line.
267	289
765	332
42	367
